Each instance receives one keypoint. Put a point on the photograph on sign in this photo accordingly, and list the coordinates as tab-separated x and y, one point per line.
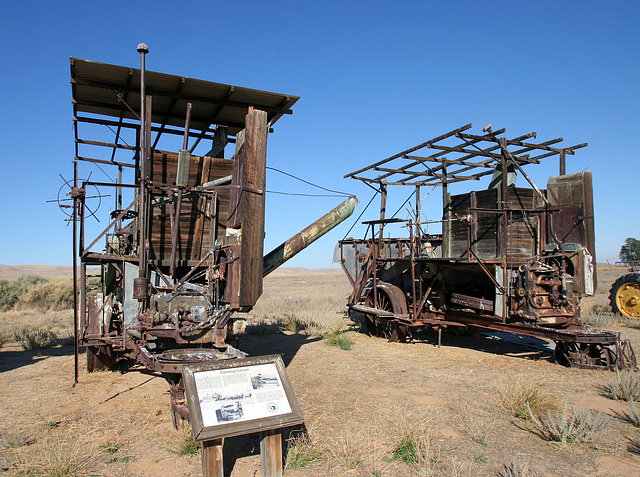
234	397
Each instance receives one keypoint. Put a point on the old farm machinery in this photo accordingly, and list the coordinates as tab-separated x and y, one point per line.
183	247
624	295
509	259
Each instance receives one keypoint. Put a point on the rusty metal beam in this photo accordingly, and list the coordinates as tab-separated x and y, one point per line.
306	237
107	122
410	150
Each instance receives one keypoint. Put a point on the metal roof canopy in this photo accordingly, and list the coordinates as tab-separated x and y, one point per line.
101	89
456	162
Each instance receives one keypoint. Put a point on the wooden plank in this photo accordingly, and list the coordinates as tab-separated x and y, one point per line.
252	199
212	464
271	453
190	242
202	202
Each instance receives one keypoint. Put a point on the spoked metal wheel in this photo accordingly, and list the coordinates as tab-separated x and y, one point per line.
584	355
387	298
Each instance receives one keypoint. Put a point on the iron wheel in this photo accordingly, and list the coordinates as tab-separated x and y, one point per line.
389	298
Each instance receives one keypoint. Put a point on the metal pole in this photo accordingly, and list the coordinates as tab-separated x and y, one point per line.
187	122
75	276
383	211
143	49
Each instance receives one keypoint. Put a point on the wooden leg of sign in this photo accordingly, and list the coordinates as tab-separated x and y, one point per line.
212	458
271	453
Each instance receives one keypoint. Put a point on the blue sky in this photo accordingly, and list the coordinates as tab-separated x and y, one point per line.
374	78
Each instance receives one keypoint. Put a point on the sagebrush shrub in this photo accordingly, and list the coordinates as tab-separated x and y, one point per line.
29	338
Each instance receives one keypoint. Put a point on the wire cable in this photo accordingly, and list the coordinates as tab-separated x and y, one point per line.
361	213
309	183
304	195
403	204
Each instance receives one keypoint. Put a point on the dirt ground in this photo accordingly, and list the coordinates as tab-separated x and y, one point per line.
358	404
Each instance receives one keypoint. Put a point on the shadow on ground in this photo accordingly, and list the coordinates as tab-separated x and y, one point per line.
15	357
286	345
494	342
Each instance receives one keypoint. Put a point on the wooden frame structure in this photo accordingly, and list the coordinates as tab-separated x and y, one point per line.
509	258
185	250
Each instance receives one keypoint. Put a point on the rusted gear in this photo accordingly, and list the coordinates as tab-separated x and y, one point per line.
584	355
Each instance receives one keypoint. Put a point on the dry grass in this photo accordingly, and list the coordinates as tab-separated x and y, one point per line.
58	322
67	453
367	411
183	443
524	397
307	307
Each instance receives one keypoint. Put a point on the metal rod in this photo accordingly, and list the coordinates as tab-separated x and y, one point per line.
75	276
175	232
142	216
187	121
136	126
83	266
113	222
415	148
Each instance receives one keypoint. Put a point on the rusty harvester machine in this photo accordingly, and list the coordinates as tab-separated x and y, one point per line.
509	258
185	250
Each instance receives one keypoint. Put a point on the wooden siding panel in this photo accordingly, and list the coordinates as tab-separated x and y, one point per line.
192	210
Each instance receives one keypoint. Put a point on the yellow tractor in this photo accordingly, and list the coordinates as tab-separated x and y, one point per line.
625	292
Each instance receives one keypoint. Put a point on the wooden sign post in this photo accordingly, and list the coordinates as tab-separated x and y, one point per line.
236	397
212	458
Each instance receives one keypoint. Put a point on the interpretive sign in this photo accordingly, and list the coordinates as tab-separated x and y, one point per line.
238	396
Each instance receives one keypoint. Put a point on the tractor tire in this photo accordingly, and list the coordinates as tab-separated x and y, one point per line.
625	295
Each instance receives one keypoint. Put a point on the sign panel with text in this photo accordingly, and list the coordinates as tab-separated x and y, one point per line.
233	397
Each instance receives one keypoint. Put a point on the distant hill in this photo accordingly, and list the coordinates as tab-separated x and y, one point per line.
11	272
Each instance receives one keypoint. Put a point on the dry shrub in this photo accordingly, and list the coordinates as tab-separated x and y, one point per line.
599	319
30	338
49	295
522	396
8	295
632	416
569	426
625	387
301	451
183	443
519	469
